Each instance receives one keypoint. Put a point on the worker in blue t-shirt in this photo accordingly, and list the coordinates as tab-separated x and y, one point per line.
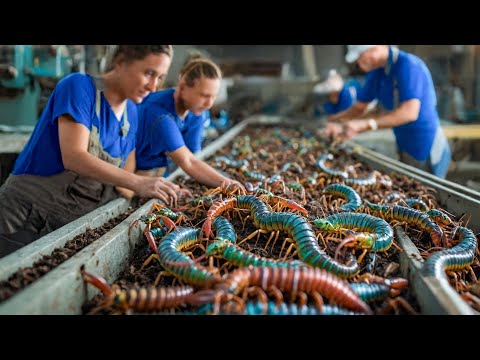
171	124
81	153
341	94
403	84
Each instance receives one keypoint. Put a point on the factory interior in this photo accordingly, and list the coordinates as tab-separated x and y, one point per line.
322	216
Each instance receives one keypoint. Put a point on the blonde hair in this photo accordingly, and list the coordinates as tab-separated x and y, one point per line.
198	66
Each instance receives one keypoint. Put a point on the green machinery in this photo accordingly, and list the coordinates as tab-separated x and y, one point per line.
23	69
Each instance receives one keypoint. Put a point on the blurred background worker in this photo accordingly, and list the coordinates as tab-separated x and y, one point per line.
403	84
171	123
341	94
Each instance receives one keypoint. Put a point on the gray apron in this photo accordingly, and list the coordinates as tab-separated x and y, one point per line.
32	206
438	160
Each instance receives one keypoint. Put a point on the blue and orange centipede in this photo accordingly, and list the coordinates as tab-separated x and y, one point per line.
330	171
456	258
300	231
411	216
353	200
172	259
379	238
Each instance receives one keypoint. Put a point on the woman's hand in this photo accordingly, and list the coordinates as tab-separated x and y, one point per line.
181	192
237	184
160	188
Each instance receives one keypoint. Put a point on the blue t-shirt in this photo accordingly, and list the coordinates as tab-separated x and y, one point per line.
404	79
161	130
75	95
346	98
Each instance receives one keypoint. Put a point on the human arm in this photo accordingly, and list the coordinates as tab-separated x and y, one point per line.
407	112
199	169
334	126
170	141
73	139
129	166
354	111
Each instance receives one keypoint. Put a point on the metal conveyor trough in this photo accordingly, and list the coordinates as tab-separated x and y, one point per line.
62	290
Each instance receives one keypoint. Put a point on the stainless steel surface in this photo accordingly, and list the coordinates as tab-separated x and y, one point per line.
435	296
454	198
62	290
382	159
27	255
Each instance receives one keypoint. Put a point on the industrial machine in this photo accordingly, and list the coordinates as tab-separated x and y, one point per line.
26	71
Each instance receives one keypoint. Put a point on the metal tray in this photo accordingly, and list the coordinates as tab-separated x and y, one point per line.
62	290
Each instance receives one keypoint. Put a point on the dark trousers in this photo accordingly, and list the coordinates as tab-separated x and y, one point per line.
33	206
12	242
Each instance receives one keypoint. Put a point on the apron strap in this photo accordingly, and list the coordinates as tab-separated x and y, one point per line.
94	146
98	99
393	53
126	124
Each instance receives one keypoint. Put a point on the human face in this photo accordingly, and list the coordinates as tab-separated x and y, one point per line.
333	97
201	95
373	58
140	77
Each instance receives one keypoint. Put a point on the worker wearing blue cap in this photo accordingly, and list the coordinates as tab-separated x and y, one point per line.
403	85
